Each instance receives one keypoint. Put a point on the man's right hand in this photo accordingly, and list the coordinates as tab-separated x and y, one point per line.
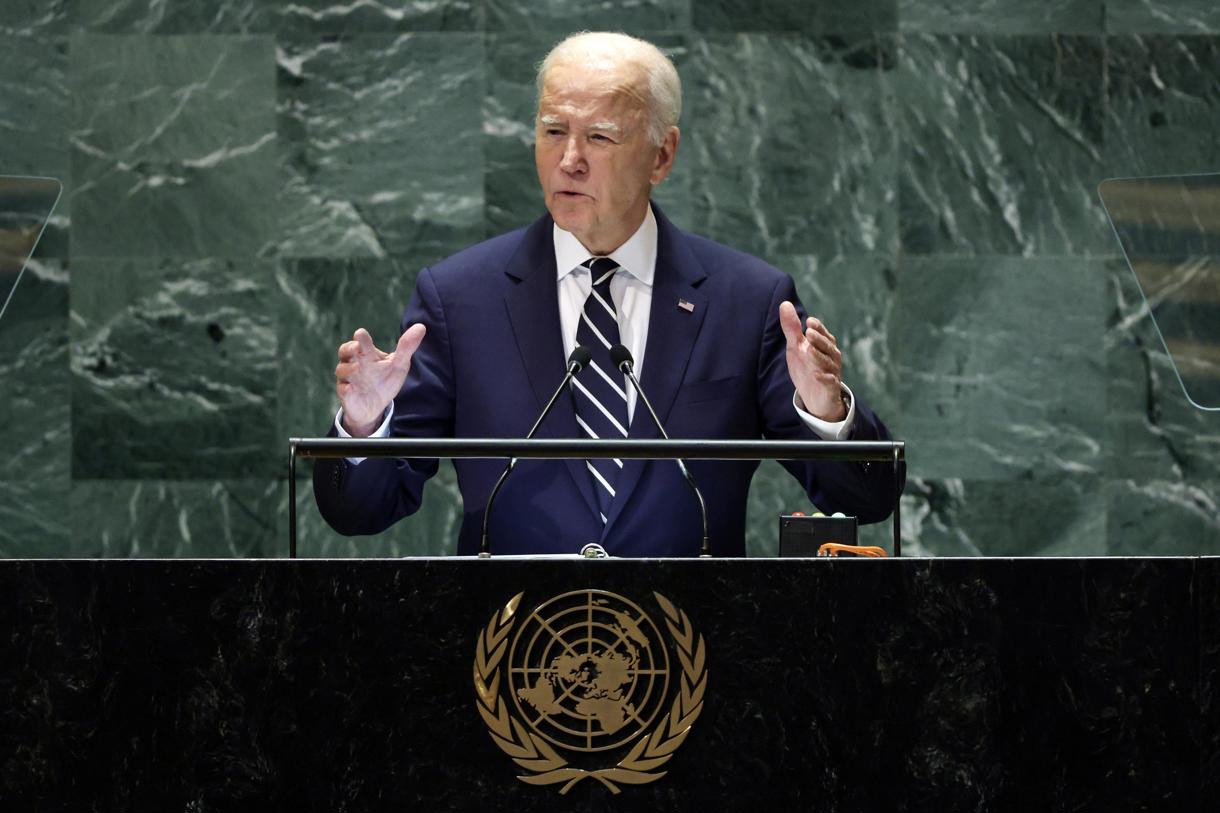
366	379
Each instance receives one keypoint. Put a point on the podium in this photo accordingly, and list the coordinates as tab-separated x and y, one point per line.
901	684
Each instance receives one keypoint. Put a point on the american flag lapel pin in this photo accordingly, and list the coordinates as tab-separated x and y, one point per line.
689	307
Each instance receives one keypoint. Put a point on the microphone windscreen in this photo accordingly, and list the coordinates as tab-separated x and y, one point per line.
580	357
621	355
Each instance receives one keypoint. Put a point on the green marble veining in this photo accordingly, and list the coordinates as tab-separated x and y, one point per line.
1161	17
1002	145
382	140
772	177
172	140
1003	16
794	15
174	370
564	16
998	365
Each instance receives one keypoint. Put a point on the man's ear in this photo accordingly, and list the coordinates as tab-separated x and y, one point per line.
665	155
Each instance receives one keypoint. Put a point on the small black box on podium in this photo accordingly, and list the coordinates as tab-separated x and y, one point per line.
801	535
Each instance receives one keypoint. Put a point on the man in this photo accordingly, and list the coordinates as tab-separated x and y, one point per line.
717	336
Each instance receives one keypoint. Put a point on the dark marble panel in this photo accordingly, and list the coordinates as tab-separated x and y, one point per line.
998	366
562	17
1153	432
174	370
1157	16
173	146
34	17
34	514
794	15
1046	514
509	108
1002	16
792	147
1163	517
1003	145
34	370
146	519
1163	105
34	114
382	140
835	685
1207	577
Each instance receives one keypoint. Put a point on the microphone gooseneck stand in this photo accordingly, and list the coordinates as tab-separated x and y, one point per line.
576	362
622	359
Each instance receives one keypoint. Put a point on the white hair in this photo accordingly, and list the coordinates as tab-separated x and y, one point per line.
664	96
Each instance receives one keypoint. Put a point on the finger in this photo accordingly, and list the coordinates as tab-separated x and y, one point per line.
363	340
823	344
345	371
820	327
408	343
348	351
790	323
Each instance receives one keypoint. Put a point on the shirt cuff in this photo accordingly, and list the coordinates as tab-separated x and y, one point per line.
382	431
828	430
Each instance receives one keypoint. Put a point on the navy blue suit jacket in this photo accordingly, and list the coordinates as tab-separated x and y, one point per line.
493	355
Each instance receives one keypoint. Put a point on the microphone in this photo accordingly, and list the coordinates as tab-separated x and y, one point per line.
622	359
576	362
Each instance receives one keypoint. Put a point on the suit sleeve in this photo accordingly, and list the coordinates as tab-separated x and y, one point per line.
865	490
369	497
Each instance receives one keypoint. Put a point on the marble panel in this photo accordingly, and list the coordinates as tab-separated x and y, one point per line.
1162	105
509	107
794	15
34	403
562	17
1153	432
382	138
34	17
793	149
997	365
1157	16
34	113
174	370
147	519
165	16
34	517
1002	16
1047	514
1003	145
1163	517
173	146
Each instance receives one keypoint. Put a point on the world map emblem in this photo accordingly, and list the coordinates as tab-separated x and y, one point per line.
584	687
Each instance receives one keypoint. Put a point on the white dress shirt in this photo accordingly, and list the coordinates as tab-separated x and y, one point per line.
632	295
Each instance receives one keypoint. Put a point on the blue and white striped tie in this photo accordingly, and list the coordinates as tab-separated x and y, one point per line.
600	390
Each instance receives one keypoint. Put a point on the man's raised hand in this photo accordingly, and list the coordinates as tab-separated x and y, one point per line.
367	379
814	363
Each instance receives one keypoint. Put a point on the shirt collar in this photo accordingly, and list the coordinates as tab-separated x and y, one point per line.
638	256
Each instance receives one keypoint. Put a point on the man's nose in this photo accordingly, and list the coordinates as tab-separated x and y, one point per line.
573	159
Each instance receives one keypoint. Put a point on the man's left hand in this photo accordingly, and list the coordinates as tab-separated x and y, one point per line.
815	364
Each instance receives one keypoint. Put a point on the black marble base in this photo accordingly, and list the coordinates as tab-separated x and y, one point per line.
939	685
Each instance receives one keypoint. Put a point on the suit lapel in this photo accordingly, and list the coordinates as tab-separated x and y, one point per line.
533	309
672	331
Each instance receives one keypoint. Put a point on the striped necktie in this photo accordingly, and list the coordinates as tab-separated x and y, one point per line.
600	390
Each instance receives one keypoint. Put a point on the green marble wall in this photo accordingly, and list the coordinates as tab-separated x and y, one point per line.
246	181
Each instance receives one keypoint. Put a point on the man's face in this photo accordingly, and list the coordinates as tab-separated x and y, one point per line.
595	161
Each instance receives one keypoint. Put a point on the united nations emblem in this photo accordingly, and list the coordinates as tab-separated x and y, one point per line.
585	678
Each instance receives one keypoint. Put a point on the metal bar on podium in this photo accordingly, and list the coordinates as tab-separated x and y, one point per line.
858	451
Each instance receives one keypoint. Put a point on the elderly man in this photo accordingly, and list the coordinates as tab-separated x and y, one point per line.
718	339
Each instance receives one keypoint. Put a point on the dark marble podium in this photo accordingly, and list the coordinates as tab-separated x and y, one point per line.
851	685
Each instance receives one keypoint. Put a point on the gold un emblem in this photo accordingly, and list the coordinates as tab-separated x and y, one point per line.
583	691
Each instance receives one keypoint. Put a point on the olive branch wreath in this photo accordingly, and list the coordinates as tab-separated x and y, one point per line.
533	753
